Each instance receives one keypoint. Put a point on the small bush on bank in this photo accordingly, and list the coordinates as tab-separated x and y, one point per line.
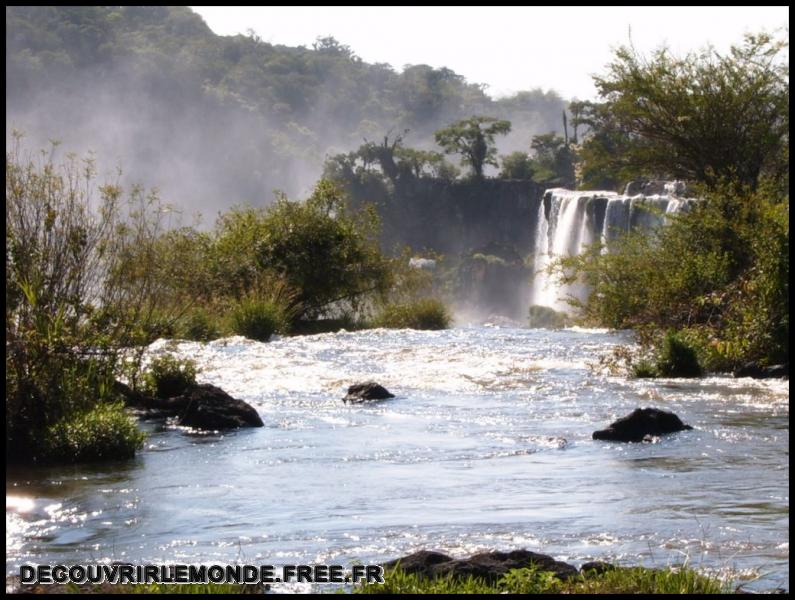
199	325
104	432
643	369
678	358
169	376
257	319
427	313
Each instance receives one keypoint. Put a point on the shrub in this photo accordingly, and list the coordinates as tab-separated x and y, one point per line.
644	369
198	325
104	432
426	313
545	317
677	358
258	319
169	376
326	255
81	291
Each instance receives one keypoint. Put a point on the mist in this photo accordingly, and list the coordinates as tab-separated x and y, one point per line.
205	138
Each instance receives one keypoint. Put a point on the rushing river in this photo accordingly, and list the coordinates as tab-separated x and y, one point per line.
486	446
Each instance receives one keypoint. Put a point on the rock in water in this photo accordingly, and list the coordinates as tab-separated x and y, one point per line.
363	392
640	423
209	407
758	372
489	566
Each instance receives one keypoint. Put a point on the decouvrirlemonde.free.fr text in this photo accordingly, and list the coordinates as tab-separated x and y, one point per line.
148	574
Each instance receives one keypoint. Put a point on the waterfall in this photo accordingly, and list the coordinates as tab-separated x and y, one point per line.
569	221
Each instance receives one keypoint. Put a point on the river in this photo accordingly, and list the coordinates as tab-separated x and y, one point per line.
486	446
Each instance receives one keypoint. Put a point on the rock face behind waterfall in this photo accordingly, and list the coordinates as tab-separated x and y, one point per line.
640	424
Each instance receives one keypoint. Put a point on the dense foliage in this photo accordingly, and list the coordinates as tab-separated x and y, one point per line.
713	284
75	297
705	117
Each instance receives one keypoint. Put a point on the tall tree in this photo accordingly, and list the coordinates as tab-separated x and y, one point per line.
473	139
707	116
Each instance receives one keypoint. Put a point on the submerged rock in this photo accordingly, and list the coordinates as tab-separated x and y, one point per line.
639	424
364	392
210	407
758	372
489	566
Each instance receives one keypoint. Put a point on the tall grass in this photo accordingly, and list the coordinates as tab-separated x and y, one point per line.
425	313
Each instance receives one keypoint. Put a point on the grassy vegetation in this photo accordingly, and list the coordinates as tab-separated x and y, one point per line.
104	432
425	313
169	376
529	581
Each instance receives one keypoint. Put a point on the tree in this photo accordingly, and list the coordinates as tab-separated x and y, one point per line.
321	251
517	165
705	117
473	138
553	161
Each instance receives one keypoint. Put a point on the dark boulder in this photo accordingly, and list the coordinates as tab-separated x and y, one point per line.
489	566
363	392
758	372
642	422
209	407
420	562
202	406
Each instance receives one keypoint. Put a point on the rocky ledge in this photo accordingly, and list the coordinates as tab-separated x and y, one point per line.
202	406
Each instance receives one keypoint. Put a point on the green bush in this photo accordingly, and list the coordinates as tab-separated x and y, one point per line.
678	358
199	325
169	376
548	318
104	432
258	319
644	369
426	313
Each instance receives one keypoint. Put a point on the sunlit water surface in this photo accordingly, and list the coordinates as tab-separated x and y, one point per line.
486	446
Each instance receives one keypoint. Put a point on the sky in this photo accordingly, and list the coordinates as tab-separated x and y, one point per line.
509	48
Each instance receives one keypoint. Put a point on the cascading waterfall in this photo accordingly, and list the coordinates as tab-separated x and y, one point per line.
569	221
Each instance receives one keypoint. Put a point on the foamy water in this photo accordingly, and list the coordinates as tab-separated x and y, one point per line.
487	445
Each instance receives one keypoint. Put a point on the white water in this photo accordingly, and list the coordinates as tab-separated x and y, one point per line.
572	225
486	446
